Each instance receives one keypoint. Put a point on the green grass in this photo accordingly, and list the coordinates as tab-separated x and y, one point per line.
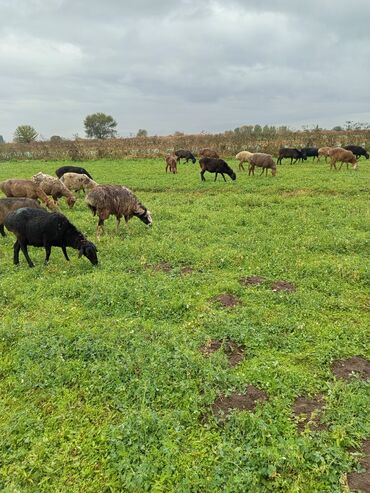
103	387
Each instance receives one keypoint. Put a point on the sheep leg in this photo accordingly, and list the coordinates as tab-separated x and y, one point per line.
2	230
25	253
117	224
223	176
263	170
202	176
16	248
216	175
100	228
241	167
48	252
64	250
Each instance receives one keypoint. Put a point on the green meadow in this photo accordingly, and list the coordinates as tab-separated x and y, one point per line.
104	386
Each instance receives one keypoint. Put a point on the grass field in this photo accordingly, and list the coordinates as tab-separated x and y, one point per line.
103	384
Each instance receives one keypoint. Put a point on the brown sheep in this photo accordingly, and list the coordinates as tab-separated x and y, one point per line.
208	153
343	156
54	187
77	181
13	203
243	157
264	161
26	188
171	163
324	151
117	200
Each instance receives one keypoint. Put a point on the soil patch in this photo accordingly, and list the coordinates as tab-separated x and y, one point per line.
308	412
283	286
161	267
224	405
360	481
251	281
352	367
186	270
227	300
233	351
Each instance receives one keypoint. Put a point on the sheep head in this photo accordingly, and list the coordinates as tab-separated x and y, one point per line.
144	215
89	250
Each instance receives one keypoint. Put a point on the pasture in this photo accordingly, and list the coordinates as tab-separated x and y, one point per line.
115	378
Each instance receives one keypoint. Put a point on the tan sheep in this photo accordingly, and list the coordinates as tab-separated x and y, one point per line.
54	187
171	163
262	160
325	152
76	182
337	154
243	157
27	189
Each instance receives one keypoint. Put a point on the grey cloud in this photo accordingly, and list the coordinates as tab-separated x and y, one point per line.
182	65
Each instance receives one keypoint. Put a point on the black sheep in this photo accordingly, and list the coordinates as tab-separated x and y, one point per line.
37	227
286	152
358	151
214	165
310	152
72	169
183	154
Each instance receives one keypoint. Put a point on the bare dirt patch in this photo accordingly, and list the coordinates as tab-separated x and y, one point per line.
225	405
186	270
357	366
227	300
307	411
360	481
286	286
233	351
161	267
252	281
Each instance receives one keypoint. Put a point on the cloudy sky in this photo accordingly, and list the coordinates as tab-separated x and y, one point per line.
186	65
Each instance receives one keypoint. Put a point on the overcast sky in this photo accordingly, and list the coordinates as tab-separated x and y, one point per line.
183	65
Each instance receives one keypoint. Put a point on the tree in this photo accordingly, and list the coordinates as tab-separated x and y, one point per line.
24	134
2	141
337	128
100	126
142	133
56	138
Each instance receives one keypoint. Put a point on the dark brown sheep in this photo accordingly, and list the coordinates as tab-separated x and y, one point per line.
337	154
116	200
262	160
171	163
208	153
217	166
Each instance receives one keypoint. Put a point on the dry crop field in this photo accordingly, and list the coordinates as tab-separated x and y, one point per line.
224	349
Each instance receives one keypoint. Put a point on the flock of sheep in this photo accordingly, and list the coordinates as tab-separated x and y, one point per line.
22	214
210	160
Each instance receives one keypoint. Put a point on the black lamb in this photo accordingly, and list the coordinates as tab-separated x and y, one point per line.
72	169
214	165
37	227
184	154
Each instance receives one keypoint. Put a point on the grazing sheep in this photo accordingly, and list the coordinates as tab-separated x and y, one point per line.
243	157
324	151
13	203
292	153
76	182
117	200
343	156
358	151
214	165
184	154
54	187
310	152
171	164
208	153
37	227
72	169
27	189
263	161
